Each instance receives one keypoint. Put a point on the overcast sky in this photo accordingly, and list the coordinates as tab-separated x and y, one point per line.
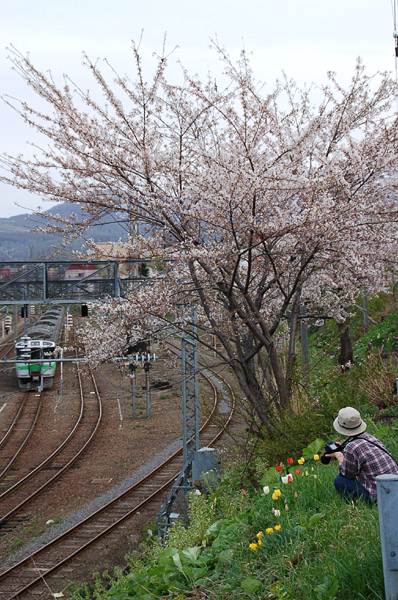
304	38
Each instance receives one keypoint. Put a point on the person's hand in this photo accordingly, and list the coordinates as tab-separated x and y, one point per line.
339	456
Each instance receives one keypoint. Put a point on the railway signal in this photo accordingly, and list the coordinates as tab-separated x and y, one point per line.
146	361
7	323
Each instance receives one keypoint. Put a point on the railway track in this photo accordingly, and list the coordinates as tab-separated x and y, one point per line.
19	419
19	495
21	427
18	433
42	571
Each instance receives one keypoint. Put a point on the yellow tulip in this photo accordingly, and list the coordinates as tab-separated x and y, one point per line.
253	547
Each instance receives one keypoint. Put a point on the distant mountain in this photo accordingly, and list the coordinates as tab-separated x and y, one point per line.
19	242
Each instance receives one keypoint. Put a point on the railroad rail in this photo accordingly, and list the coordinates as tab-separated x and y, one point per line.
37	571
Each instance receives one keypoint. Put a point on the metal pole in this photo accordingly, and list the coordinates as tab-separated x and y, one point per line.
15	322
148	396
133	394
196	383
365	311
25	310
62	373
304	343
387	501
184	405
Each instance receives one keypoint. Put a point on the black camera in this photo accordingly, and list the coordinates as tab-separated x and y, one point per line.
329	448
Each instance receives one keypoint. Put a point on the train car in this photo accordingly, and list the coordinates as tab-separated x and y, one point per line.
40	344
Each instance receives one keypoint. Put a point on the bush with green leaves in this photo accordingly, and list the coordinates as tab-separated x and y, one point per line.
380	336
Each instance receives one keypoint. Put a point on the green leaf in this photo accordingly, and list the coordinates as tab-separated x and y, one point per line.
314	520
198	574
250	585
226	555
165	555
328	589
300	529
271	476
314	448
177	561
191	554
214	528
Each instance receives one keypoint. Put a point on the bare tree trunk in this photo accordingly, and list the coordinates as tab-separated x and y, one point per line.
346	356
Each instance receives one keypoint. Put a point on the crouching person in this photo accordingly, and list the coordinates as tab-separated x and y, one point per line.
361	457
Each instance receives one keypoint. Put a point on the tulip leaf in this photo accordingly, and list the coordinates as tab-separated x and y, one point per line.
271	476
314	448
314	520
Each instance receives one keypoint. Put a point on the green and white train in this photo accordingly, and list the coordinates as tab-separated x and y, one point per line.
35	352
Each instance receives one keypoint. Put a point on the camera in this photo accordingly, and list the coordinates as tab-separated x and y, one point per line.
329	448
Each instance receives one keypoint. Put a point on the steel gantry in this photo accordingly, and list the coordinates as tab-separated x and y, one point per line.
175	505
67	282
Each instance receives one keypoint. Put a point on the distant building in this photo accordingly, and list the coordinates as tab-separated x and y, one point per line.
79	271
5	274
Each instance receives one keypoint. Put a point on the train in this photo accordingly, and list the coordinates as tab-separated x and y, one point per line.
39	344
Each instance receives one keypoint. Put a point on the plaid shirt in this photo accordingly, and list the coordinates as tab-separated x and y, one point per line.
364	461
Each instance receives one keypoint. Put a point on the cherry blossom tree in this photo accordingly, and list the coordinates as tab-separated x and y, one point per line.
263	205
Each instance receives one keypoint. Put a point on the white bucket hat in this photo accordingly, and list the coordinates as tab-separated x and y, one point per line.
349	422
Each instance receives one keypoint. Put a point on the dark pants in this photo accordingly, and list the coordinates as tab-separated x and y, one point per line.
351	489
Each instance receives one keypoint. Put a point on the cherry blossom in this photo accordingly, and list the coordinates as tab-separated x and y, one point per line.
256	202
